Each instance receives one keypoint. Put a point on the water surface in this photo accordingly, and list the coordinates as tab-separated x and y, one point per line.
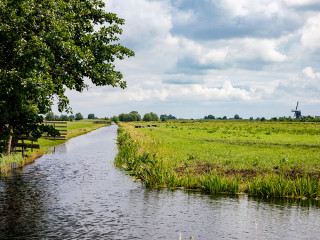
76	193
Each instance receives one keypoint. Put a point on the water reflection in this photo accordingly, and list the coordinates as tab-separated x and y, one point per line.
78	194
14	211
304	203
59	149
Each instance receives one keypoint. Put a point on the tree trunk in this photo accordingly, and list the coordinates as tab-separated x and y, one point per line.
9	140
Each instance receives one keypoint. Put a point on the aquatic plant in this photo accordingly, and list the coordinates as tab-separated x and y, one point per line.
283	186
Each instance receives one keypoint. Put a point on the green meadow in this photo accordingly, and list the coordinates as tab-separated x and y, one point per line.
272	159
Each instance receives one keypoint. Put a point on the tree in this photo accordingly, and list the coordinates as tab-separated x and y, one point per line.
115	119
154	117
91	116
130	117
166	116
71	117
50	116
78	116
209	117
47	47
171	117
236	116
150	117
147	117
134	116
64	117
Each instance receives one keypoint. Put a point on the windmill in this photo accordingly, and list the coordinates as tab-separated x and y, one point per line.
297	113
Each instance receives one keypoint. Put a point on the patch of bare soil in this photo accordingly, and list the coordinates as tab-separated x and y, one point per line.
200	168
293	174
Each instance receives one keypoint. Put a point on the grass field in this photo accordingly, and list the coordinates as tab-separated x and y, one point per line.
260	158
74	129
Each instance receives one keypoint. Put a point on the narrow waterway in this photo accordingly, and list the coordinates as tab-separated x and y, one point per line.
76	193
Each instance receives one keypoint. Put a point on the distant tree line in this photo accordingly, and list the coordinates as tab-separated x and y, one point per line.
290	119
50	116
134	116
165	117
211	117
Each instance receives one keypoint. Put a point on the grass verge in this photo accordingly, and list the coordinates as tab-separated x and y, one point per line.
220	160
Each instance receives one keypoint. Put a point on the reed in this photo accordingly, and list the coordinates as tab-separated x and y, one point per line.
218	184
283	186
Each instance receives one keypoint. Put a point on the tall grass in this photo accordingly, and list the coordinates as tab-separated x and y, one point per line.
11	158
5	160
219	184
281	186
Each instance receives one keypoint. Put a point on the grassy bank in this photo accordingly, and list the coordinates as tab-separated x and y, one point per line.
74	129
258	158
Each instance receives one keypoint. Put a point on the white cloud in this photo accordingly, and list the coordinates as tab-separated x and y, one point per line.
204	55
253	54
264	49
308	71
300	2
244	8
147	22
233	52
310	38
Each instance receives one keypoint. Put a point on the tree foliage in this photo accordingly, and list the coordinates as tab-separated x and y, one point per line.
115	119
168	117
209	117
78	116
129	117
49	46
50	116
91	116
150	117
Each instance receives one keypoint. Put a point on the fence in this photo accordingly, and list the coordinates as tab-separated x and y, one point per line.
18	143
60	126
21	142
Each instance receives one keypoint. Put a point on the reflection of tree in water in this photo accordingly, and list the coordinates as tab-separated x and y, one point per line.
288	202
60	149
20	207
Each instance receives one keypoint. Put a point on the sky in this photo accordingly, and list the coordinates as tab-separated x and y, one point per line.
255	58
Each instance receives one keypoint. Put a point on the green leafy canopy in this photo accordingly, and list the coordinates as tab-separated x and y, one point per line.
48	46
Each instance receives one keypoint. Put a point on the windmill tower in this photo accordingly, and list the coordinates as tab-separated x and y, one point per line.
297	113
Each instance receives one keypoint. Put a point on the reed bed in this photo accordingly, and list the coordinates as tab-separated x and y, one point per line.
282	186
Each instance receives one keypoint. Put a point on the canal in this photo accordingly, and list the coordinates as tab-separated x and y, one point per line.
76	193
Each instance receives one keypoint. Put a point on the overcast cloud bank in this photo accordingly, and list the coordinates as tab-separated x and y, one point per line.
220	57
